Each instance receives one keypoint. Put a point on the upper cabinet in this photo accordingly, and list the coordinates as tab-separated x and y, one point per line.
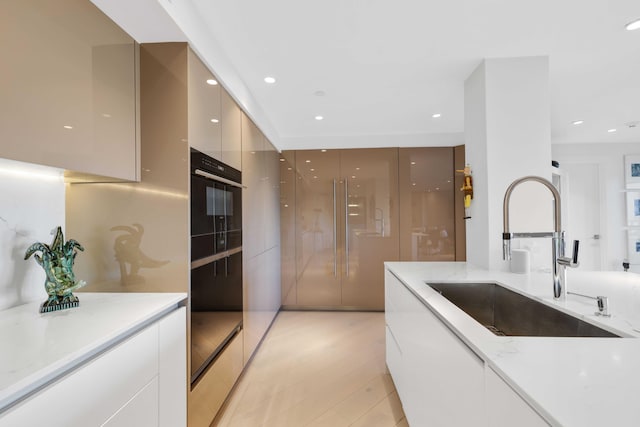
204	108
214	117
231	126
68	88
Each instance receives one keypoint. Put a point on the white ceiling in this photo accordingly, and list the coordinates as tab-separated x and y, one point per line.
387	66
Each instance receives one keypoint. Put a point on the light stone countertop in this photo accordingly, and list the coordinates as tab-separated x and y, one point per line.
570	381
39	348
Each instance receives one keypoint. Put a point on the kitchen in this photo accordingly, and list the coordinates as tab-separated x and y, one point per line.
102	210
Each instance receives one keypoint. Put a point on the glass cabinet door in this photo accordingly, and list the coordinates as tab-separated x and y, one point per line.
369	183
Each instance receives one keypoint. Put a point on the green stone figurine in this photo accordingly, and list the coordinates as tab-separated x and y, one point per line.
57	262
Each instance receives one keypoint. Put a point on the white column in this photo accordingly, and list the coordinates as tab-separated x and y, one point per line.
507	136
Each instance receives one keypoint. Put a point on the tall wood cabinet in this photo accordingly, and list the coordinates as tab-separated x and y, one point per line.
260	234
214	117
346	226
345	212
68	88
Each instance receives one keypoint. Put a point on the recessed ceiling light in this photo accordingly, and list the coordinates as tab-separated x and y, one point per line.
413	163
324	151
282	160
633	25
307	161
413	183
212	82
353	177
319	118
577	122
612	130
269	80
312	169
67	127
214	120
436	115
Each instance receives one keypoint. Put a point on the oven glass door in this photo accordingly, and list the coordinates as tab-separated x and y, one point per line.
216	309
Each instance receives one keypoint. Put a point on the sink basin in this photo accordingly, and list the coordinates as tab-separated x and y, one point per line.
505	312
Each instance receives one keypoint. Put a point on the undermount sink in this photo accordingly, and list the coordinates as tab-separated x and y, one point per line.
505	312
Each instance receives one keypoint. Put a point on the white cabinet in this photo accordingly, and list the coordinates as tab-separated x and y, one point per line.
505	408
124	386
441	382
68	88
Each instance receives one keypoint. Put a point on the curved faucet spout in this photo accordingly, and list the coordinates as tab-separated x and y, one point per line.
560	262
557	226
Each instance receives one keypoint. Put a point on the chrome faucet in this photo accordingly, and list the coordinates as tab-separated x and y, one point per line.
560	261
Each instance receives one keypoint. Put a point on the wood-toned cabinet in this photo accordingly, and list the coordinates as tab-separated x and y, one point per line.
345	212
260	234
214	117
431	204
345	226
204	119
231	124
68	88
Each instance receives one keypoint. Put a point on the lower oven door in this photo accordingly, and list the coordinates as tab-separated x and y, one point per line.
216	309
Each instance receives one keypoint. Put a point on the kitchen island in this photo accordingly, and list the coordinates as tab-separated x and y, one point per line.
450	370
117	359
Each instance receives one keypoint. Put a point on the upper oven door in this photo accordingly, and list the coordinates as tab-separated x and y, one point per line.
207	217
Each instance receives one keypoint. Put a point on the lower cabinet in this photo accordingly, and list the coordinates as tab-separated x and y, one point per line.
505	407
210	392
441	381
131	384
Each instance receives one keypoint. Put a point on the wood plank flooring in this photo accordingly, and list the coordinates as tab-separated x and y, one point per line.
317	369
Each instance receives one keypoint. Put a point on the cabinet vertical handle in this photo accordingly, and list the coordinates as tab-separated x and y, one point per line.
226	267
346	222
335	233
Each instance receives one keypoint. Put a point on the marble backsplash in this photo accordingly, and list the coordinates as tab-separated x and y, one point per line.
32	203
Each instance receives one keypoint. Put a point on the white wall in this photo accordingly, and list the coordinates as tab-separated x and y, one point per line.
32	205
610	158
507	136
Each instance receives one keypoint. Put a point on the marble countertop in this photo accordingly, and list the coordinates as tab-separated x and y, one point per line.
39	348
569	381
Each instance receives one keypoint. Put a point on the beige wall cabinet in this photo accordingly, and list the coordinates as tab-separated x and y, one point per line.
204	108
214	117
346	212
346	226
260	234
231	124
431	204
68	88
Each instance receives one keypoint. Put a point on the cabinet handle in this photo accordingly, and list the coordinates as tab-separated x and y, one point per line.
346	222
226	267
335	233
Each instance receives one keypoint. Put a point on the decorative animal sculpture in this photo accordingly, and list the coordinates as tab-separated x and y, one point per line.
57	261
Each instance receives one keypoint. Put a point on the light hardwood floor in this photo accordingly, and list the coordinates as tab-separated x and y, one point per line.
317	369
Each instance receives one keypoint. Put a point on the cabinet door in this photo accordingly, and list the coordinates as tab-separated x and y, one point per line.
318	222
505	408
68	88
254	226
231	125
91	394
427	204
271	190
204	109
288	227
371	235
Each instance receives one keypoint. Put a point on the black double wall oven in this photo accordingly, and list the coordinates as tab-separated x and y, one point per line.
216	259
